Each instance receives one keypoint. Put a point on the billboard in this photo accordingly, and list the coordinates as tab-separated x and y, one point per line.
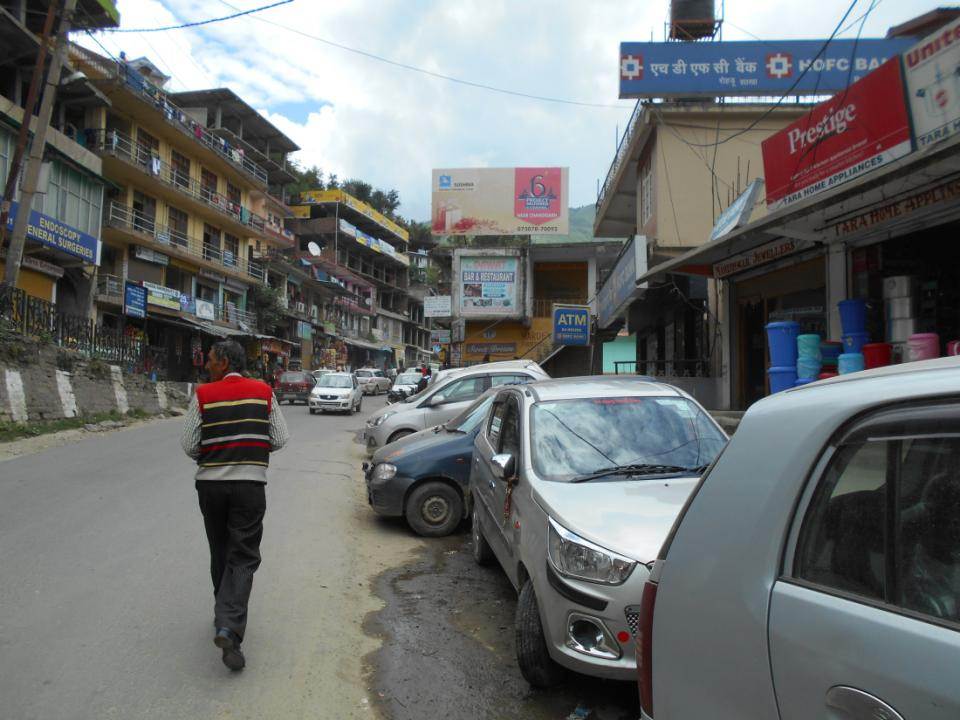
488	285
862	128
775	67
436	306
932	69
500	201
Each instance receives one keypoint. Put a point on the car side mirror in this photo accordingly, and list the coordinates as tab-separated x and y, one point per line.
503	466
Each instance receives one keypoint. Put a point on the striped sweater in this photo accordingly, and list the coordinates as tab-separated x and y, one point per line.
231	428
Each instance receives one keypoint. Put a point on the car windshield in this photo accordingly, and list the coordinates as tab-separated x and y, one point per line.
335	381
468	420
407	379
364	373
294	377
654	435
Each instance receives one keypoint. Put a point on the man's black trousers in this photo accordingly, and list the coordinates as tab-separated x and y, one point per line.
233	516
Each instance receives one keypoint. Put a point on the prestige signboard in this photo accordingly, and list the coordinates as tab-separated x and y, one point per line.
500	201
856	131
488	285
932	69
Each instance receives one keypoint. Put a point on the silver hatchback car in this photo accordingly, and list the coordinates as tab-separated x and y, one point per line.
815	573
575	484
447	396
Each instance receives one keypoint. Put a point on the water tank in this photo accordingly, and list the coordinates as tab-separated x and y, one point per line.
692	19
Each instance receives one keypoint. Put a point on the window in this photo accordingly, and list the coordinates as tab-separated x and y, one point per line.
646	192
178	223
148	150
515	379
144	212
510	430
461	390
211	243
72	198
496	424
231	249
208	185
181	169
179	280
884	524
233	195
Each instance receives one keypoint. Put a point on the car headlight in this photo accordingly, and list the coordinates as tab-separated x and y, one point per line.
575	557
377	422
383	472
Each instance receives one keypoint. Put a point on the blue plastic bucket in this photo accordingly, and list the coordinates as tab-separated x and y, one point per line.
782	339
782	378
802	381
808	345
808	367
850	362
854	342
830	350
853	316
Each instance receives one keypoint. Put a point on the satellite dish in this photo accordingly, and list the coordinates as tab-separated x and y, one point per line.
313	248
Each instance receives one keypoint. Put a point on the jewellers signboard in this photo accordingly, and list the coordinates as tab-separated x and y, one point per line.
902	209
774	67
437	306
500	201
856	131
759	256
933	85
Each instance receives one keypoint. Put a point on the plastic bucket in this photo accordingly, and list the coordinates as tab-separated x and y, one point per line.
923	346
807	367
830	349
953	347
808	345
854	342
782	378
826	375
782	339
803	381
877	355
850	362
853	315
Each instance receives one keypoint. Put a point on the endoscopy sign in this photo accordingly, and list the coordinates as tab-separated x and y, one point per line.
59	236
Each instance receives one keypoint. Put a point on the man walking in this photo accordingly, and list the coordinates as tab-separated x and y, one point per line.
231	427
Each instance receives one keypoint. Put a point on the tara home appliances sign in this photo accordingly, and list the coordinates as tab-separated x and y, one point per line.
855	131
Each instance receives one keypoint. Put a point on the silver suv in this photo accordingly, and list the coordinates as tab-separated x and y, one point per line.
445	398
575	484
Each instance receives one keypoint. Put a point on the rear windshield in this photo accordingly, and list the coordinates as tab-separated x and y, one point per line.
364	373
295	377
408	379
335	381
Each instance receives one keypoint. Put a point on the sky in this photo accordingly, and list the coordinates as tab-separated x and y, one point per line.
362	118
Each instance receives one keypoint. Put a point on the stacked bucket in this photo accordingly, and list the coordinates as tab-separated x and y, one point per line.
853	321
809	359
782	341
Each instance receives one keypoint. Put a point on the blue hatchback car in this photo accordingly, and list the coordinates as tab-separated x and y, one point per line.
424	477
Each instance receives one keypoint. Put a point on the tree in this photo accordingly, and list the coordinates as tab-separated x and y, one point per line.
361	190
267	307
333	183
309	178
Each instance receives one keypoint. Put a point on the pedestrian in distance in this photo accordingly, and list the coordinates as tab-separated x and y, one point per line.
231	427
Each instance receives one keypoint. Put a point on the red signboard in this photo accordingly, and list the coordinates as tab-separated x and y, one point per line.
855	131
537	194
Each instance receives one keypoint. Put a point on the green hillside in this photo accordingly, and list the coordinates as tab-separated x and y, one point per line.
581	228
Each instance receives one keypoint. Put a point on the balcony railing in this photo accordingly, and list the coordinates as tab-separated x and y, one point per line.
230	313
622	149
126	218
110	286
121	145
544	308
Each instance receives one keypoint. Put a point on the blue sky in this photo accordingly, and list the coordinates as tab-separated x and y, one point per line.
358	117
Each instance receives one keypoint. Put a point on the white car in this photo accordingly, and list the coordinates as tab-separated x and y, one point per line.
372	381
336	392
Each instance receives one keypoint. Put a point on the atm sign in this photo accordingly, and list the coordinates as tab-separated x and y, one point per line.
571	325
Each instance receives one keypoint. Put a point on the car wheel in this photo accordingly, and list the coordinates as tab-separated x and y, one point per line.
482	553
536	665
313	411
434	509
399	434
360	404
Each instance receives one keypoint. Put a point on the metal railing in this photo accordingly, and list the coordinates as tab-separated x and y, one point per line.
121	145
127	218
621	154
543	308
230	313
33	317
109	285
681	367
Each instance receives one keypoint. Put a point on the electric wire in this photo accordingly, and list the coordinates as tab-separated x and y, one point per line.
198	23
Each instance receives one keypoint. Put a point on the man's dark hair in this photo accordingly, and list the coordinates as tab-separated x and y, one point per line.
233	353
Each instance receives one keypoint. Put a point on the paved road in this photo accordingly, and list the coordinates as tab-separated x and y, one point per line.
106	604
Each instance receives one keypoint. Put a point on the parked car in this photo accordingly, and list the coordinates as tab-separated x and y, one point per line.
444	399
337	391
575	484
404	386
423	477
295	386
372	381
815	572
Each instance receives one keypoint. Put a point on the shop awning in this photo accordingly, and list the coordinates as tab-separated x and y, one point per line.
365	345
927	182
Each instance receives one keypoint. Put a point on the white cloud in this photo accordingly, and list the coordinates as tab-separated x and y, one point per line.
391	126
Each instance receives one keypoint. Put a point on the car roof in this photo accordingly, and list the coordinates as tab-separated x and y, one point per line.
339	374
493	367
593	386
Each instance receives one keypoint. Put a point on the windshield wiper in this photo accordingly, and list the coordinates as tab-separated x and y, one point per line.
641	469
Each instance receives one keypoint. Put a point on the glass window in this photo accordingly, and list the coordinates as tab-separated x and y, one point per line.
496	424
231	249
332	380
296	377
515	379
178	223
181	168
510	430
461	390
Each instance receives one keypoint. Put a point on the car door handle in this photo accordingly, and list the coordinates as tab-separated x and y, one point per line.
859	705
492	484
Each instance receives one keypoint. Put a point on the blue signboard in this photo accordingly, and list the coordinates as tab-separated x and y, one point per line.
621	283
571	325
134	300
53	233
775	67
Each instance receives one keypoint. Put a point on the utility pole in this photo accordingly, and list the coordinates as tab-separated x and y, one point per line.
24	134
32	173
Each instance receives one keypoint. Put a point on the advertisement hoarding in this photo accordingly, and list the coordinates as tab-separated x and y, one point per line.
162	296
440	337
852	133
134	300
500	201
55	234
488	285
437	306
205	309
571	324
770	67
932	69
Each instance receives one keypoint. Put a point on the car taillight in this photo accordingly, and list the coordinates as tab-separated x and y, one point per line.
645	647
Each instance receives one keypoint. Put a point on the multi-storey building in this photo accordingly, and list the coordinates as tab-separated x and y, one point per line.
63	245
179	220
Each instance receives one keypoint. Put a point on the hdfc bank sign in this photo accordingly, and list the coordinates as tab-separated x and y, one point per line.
857	130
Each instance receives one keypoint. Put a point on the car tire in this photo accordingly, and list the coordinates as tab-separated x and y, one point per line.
360	404
536	665
434	509
313	411
399	434
482	552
